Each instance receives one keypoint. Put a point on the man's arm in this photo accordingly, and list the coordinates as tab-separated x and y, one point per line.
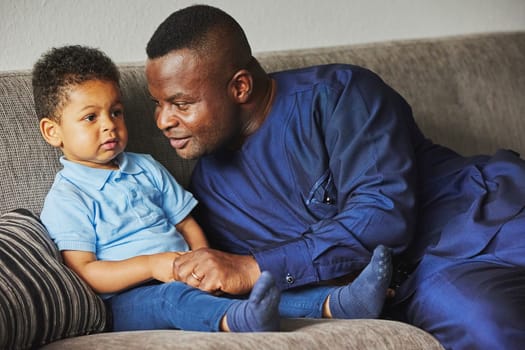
370	138
365	136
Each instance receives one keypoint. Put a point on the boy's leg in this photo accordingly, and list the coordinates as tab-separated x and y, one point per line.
362	298
260	312
172	305
365	296
176	305
304	301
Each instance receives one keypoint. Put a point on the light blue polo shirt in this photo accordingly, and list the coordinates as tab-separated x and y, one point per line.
117	214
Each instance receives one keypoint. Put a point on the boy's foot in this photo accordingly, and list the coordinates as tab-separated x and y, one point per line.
260	312
365	296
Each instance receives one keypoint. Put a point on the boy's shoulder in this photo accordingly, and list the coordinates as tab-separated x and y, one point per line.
139	157
131	160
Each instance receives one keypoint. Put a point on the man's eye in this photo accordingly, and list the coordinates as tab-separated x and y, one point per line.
182	105
89	118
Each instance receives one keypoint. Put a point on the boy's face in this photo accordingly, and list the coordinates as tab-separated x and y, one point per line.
91	130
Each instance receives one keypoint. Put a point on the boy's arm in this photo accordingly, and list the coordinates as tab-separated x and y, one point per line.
192	233
113	276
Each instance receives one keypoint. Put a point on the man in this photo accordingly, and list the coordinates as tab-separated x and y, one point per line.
302	173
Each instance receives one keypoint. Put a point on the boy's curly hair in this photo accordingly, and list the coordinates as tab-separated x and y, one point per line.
60	68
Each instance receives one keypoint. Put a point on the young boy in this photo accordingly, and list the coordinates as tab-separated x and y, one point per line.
120	219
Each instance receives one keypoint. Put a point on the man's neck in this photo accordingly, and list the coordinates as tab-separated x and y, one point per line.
257	115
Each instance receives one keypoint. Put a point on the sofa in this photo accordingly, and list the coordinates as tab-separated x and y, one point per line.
467	92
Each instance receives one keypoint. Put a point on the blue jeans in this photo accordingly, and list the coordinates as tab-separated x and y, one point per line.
176	305
173	305
304	301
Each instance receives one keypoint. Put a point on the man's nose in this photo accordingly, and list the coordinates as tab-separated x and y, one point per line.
165	118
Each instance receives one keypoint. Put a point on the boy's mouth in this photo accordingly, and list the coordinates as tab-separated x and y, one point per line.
110	144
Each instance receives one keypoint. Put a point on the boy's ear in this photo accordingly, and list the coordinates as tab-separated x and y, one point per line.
50	130
242	86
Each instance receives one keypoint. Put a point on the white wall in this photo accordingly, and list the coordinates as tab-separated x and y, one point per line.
122	27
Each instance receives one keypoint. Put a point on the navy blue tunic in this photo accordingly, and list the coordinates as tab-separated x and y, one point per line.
338	167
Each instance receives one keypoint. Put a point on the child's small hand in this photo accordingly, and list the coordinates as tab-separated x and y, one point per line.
161	265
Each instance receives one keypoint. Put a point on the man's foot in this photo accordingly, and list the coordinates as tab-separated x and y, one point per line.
260	313
365	296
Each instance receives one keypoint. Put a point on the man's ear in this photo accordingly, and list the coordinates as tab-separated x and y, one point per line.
242	86
50	130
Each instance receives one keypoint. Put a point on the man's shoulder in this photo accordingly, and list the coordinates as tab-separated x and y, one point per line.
320	70
334	75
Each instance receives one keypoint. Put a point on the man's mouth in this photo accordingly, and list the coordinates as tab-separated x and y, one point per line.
179	143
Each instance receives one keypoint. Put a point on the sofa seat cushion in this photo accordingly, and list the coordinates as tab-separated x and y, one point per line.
295	334
41	300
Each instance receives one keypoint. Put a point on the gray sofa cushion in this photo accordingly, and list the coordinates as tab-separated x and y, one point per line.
300	334
41	300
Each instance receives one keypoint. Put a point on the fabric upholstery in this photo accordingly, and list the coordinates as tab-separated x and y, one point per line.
41	300
297	334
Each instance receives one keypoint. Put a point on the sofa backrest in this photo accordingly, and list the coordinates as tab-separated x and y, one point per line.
467	92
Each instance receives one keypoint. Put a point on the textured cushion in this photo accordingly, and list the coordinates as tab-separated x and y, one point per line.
41	300
304	334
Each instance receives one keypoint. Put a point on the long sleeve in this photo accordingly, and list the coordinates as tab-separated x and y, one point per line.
367	194
329	176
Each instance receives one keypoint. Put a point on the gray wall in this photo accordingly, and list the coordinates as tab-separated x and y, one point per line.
122	27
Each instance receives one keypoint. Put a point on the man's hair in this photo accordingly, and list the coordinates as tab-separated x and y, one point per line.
188	28
59	69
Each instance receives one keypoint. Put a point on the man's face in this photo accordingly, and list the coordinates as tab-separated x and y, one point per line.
194	108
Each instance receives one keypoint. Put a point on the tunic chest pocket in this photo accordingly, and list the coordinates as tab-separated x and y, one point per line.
322	199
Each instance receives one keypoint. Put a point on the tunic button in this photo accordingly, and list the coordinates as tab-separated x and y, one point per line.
289	279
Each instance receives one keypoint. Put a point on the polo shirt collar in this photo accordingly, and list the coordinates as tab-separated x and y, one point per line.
98	177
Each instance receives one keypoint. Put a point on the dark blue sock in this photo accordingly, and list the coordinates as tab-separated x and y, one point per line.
260	313
365	296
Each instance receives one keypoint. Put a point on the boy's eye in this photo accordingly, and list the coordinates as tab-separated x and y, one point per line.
90	117
117	113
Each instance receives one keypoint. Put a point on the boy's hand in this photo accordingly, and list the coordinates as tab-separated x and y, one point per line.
161	265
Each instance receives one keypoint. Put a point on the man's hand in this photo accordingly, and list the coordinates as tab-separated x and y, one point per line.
217	272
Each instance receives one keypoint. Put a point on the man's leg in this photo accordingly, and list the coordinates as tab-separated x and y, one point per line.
472	305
